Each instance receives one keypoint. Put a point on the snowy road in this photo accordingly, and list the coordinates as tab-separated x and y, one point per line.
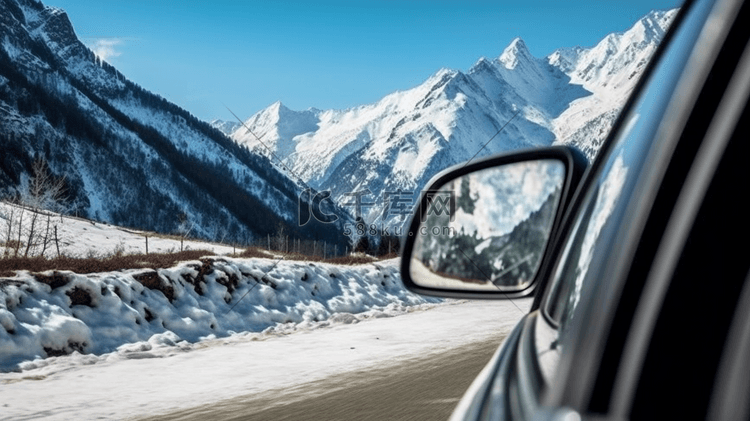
425	388
236	367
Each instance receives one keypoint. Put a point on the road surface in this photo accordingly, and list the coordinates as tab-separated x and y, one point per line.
418	389
412	366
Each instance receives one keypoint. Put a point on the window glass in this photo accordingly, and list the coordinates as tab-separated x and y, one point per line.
608	196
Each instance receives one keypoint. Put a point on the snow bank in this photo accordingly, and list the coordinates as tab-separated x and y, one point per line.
58	313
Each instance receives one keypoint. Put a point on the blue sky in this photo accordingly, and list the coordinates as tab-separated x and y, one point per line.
323	54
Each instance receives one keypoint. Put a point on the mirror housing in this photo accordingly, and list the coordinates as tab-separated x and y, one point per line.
516	200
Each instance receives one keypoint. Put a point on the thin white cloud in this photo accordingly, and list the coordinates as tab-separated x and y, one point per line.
105	48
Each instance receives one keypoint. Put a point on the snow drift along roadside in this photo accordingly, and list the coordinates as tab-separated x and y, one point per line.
60	313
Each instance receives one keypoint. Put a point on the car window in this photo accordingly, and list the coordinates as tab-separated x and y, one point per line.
604	206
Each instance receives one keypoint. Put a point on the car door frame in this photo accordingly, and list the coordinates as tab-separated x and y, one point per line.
492	384
588	373
576	391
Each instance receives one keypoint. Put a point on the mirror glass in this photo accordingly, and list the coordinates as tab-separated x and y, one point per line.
488	229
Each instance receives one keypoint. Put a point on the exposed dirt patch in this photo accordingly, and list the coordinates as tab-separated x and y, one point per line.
269	282
8	282
198	281
153	281
67	350
79	297
56	280
264	279
149	315
230	281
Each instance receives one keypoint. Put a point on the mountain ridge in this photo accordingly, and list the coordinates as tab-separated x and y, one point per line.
571	96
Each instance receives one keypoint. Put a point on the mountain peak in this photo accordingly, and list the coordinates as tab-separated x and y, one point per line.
514	53
655	23
482	62
565	59
275	111
277	106
660	16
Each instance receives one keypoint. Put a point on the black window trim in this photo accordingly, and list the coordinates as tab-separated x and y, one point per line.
691	196
575	387
590	175
729	400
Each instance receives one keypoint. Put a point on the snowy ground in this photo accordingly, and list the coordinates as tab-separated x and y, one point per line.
141	342
167	377
80	237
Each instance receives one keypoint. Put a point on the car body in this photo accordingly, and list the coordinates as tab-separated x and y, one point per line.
641	306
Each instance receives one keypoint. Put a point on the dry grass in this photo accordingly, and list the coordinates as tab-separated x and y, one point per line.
256	252
388	256
94	264
351	260
99	264
12	244
357	259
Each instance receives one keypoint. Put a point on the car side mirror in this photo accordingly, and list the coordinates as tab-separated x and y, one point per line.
481	230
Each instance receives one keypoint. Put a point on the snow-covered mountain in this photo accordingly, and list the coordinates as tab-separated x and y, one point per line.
226	127
571	96
130	157
610	71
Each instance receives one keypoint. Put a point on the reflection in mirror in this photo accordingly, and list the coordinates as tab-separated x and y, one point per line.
493	234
